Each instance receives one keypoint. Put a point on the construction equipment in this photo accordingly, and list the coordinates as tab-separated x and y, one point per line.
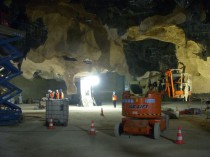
141	106
178	84
9	112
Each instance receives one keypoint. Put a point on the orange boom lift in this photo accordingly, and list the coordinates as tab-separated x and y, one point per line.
142	110
178	84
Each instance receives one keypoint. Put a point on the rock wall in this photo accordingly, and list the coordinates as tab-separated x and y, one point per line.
186	50
75	35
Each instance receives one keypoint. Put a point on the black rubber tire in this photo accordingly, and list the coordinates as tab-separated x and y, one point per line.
118	129
156	131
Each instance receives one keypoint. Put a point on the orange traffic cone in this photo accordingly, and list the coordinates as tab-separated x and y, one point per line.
92	128
50	124
179	137
102	112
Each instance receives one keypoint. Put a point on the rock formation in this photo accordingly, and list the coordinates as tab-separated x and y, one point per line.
165	29
79	42
74	36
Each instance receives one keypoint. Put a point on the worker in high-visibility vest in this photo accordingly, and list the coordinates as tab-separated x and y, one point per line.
61	95
57	94
114	99
52	94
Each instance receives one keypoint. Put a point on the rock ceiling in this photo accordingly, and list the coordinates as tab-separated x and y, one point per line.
82	38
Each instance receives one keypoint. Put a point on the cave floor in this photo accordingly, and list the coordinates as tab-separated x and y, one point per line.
32	138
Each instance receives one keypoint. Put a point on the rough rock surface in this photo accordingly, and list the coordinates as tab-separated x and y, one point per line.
75	35
186	50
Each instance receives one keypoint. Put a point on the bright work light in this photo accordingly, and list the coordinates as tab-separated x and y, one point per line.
93	80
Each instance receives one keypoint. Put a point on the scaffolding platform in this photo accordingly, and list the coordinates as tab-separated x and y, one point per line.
9	113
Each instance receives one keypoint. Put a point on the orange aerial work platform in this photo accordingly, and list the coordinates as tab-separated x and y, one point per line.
141	105
142	115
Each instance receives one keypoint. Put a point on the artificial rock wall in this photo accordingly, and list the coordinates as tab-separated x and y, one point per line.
75	35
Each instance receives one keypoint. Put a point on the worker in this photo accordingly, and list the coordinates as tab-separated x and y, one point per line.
114	99
57	94
52	94
48	94
61	95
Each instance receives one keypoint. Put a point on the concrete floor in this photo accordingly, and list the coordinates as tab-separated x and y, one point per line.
32	138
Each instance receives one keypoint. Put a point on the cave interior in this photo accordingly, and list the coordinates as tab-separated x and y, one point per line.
141	56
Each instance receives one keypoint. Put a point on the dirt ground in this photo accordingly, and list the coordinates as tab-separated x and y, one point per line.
32	138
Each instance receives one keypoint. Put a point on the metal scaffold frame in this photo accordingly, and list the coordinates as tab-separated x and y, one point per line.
9	112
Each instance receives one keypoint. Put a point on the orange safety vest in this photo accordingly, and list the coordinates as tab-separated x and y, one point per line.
114	97
52	95
57	95
61	95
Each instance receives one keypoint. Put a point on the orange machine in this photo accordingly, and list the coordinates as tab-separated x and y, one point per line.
142	113
178	84
141	105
